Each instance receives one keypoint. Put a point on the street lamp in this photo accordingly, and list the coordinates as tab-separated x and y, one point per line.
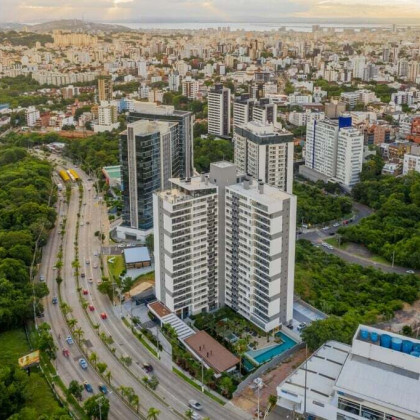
259	384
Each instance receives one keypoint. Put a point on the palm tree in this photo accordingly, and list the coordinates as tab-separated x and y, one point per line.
189	414
72	323
108	376
93	358
79	333
135	402
153	413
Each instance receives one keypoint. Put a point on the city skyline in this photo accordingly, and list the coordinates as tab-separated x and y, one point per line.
28	11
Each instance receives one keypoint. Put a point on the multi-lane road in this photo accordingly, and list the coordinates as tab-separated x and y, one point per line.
173	393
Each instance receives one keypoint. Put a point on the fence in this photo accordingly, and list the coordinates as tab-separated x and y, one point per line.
266	366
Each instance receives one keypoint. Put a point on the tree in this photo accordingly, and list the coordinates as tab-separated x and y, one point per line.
150	242
102	367
108	376
189	414
72	323
97	407
79	333
75	389
272	401
153	413
93	358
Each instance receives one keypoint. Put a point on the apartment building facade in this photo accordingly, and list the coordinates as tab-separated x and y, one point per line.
149	158
265	153
219	114
225	239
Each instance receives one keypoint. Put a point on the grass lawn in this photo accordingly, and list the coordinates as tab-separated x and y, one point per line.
13	344
334	243
117	266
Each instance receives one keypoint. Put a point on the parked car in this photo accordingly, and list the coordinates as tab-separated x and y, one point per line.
195	405
325	228
42	278
69	340
83	364
88	386
410	272
147	367
55	300
104	315
336	224
301	326
103	389
66	353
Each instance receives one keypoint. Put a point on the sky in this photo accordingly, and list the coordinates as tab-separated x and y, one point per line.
207	10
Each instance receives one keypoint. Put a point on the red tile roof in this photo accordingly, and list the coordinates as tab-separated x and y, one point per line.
211	351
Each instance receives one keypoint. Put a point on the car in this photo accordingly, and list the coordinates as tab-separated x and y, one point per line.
103	315
87	262
290	326
90	280
330	247
55	300
301	326
195	404
95	266
410	272
69	340
83	364
325	228
195	416
88	223
41	277
98	282
82	224
91	308
121	246
88	386
305	226
103	389
85	291
66	353
324	244
83	275
147	367
336	224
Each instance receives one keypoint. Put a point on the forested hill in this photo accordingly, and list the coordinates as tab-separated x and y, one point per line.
394	229
25	188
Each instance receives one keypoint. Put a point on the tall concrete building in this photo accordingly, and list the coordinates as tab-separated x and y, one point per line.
190	87
265	153
226	239
349	156
334	151
219	110
105	89
246	109
149	158
184	120
260	252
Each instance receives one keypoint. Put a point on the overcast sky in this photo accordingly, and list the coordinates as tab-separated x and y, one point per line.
210	10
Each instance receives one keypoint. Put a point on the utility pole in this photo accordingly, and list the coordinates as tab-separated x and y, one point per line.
393	257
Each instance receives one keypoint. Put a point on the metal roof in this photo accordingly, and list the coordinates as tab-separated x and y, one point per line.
135	255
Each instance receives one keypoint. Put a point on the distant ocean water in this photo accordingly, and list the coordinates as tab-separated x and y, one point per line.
248	26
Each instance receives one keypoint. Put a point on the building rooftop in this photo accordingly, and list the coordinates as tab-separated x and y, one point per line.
145	127
137	254
388	386
271	196
159	309
323	369
211	352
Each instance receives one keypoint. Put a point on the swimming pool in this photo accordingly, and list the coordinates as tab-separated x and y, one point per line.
267	353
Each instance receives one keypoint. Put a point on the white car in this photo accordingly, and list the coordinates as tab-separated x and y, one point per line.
410	272
336	224
330	247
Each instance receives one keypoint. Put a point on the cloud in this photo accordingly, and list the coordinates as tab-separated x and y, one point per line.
219	10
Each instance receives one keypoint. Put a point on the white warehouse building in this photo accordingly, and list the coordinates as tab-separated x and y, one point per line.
375	378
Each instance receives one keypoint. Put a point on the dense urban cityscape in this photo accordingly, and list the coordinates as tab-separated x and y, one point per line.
209	221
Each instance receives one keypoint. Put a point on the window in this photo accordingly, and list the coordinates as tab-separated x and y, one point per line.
349	406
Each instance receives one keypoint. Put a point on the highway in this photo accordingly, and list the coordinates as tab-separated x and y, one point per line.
173	391
68	368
